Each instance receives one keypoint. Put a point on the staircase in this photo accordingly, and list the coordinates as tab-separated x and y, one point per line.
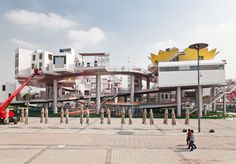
228	88
231	85
109	98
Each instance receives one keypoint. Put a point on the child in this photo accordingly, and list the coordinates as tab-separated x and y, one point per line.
191	143
188	136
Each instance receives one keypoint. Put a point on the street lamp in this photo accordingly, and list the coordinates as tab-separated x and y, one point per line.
198	46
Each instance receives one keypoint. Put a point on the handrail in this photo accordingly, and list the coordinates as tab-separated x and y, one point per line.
127	69
227	89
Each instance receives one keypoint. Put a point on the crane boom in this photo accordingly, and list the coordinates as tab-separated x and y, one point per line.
9	100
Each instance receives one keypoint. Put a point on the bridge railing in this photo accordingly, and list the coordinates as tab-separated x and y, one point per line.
120	68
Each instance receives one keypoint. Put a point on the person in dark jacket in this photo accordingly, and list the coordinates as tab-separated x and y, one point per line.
191	143
188	136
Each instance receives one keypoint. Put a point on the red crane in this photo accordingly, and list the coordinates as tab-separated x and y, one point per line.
4	105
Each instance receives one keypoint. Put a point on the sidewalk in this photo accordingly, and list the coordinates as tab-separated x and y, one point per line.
105	144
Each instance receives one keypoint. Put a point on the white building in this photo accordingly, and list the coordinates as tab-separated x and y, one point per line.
184	73
65	60
22	61
6	89
42	60
109	84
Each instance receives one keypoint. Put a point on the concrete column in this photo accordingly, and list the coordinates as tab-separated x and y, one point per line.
113	84
131	88
224	105
77	104
55	96
158	97
148	87
60	92
213	93
200	96
205	110
178	98
98	92
47	92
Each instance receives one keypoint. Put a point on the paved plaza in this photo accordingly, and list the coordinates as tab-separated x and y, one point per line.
115	144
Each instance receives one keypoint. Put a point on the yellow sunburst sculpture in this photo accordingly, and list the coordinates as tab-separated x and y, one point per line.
164	56
188	54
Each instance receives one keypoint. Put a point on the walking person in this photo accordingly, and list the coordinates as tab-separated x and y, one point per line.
188	137
191	144
122	116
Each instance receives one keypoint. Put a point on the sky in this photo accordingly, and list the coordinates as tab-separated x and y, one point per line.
129	30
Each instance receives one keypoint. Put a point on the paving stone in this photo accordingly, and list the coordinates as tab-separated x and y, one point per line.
96	143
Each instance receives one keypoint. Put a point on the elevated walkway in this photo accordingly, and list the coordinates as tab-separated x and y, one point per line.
48	77
106	96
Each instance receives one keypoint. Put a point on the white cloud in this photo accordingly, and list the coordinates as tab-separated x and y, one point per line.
81	39
23	44
38	20
162	45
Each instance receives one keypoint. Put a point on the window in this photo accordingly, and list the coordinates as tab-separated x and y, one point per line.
86	92
40	64
32	66
162	96
17	63
59	61
212	67
184	68
50	56
9	94
193	67
40	56
164	69
166	96
3	87
34	57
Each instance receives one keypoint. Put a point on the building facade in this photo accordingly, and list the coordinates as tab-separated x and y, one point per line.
6	89
23	61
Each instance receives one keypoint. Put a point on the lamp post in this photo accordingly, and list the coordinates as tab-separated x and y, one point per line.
198	46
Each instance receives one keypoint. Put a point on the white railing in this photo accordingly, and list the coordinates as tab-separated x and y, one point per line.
231	85
119	68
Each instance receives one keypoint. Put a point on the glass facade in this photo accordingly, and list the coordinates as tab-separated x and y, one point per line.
191	68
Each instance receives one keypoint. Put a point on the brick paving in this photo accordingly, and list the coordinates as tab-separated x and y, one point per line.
116	144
